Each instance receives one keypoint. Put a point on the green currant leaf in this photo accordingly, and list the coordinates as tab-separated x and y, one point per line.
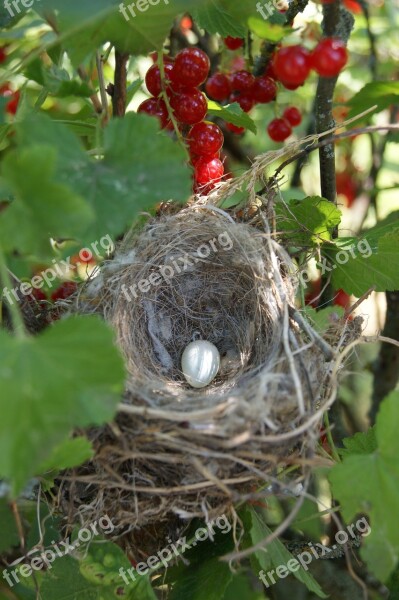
360	443
232	113
86	25
369	483
359	264
276	553
68	376
9	532
43	207
69	453
141	166
379	93
95	577
226	17
308	221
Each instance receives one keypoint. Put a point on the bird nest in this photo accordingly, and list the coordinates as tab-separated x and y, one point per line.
174	452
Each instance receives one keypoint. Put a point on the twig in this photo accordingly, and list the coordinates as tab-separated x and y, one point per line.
94	98
318	340
119	88
362	298
101	82
333	138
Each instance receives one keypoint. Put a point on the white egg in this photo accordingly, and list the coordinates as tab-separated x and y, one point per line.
200	363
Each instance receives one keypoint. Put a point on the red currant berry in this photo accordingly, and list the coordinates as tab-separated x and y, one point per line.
155	107
292	64
218	87
241	81
208	171
329	57
3	55
290	86
235	128
233	43
64	291
342	299
195	157
264	89
12	106
292	115
245	101
153	78
36	296
269	72
191	67
353	6
205	138
190	106
279	130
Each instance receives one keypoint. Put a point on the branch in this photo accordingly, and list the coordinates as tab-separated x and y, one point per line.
118	90
386	367
333	138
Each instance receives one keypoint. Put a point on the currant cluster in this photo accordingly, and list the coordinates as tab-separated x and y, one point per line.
290	66
240	86
183	77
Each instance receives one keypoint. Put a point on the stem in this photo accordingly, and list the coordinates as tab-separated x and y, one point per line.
94	98
120	84
330	438
16	317
103	93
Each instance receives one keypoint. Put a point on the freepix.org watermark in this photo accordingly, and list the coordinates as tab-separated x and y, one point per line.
317	550
58	270
341	258
178	265
57	550
171	551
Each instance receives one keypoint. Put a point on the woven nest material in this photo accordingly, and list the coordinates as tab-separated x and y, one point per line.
175	452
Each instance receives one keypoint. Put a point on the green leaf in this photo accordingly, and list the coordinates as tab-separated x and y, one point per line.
68	454
360	443
322	319
359	264
206	576
56	80
43	207
240	587
9	532
266	30
309	221
84	26
226	17
232	113
275	554
369	483
70	375
95	577
141	166
379	93
217	18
